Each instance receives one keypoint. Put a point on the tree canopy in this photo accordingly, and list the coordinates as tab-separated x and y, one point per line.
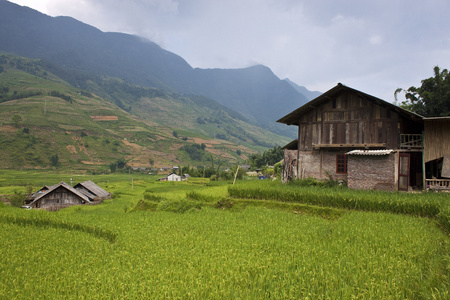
432	98
268	157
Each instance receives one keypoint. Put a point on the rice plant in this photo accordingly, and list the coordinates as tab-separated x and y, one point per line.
254	252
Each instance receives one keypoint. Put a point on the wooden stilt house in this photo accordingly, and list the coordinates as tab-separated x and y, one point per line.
367	142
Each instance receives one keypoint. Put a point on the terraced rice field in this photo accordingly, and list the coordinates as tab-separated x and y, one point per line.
165	240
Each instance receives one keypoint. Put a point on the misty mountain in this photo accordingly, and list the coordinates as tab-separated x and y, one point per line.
304	91
254	92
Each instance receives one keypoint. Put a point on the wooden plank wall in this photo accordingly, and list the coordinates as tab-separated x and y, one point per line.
349	119
437	139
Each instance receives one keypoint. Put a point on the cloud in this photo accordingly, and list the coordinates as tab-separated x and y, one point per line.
375	46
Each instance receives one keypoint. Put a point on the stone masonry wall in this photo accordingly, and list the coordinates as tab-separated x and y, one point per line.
371	172
319	163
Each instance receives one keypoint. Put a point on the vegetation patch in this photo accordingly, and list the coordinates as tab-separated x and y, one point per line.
431	205
44	221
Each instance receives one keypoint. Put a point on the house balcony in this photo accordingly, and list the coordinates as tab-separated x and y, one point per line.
411	142
438	184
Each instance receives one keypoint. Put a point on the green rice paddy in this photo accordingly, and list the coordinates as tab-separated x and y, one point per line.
179	243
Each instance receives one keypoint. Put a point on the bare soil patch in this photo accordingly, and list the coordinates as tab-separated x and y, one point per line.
105	118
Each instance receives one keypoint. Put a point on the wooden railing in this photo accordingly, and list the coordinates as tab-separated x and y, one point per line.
411	141
438	184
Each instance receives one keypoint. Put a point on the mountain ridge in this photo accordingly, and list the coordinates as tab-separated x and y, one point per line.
72	44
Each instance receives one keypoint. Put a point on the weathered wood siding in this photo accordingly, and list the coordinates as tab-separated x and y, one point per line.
437	139
350	119
60	197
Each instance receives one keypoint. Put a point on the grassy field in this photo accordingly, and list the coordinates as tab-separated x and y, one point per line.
200	240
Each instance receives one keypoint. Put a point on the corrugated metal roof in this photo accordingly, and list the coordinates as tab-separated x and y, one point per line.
93	188
370	152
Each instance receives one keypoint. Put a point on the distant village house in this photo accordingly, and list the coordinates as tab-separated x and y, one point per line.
174	177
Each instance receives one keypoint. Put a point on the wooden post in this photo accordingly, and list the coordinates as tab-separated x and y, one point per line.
203	181
424	173
235	175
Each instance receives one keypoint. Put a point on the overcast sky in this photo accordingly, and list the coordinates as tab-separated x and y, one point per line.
373	46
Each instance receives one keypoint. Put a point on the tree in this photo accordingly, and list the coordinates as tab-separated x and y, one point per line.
432	98
269	157
54	160
17	198
121	163
113	167
195	151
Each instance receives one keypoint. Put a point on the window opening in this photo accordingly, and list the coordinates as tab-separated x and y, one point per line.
341	163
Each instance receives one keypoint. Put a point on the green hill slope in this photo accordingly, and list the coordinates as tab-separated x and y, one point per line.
43	117
256	92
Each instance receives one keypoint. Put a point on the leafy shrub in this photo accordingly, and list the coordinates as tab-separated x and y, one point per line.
17	199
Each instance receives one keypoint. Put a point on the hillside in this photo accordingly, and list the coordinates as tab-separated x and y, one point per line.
42	116
255	92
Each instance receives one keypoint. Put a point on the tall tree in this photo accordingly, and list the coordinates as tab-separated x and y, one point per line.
432	98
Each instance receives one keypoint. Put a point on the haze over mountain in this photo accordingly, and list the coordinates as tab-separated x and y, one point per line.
255	92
